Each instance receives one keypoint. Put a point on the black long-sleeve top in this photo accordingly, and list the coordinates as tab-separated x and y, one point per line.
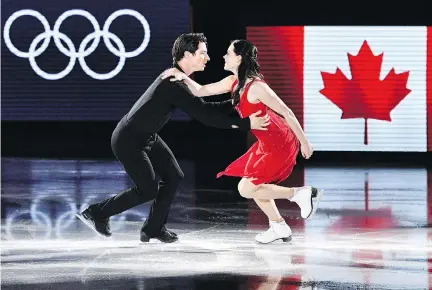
155	107
225	107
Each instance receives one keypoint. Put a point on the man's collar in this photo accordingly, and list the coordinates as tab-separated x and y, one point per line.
178	67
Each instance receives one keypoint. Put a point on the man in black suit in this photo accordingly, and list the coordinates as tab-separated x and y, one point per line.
144	154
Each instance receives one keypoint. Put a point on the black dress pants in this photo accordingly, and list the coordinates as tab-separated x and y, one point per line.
144	156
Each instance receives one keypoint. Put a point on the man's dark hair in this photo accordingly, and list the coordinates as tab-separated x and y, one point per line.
187	42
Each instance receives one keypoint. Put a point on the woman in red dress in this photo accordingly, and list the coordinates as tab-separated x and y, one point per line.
272	157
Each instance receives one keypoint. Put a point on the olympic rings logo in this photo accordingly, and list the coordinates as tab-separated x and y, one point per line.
71	51
50	227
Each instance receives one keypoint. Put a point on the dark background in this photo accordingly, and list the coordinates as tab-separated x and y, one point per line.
79	95
221	21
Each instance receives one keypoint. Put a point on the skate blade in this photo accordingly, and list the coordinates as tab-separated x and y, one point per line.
285	240
89	224
315	206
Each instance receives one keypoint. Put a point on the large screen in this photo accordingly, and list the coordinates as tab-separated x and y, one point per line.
353	88
84	60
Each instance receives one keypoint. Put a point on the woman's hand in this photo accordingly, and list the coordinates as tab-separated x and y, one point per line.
175	73
306	149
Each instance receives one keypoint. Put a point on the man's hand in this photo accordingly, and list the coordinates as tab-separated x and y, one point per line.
306	149
259	123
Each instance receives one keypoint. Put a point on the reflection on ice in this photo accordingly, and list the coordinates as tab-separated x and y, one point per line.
378	258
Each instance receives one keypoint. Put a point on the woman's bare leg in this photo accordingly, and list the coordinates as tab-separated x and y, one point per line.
268	206
300	195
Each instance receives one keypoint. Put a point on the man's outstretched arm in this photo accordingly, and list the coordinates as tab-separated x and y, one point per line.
180	96
225	107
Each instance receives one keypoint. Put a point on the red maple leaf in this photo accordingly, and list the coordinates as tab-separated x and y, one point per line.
365	95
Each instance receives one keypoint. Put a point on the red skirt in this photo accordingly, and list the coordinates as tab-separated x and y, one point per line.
271	158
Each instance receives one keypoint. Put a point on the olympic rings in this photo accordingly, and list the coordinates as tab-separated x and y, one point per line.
81	53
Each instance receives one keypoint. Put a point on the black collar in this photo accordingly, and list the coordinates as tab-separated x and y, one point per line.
178	67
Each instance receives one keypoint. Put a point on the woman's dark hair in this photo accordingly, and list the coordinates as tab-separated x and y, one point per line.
186	42
248	68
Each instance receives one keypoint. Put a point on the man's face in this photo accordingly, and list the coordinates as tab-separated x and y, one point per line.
198	60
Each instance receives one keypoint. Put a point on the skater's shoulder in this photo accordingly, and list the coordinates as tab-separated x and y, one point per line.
171	88
174	86
168	83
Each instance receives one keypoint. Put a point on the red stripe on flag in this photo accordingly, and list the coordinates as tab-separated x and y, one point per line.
280	54
429	88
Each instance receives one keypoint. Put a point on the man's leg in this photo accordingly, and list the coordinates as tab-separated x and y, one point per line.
139	168
167	168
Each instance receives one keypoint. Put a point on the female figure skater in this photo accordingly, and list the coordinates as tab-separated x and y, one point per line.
273	156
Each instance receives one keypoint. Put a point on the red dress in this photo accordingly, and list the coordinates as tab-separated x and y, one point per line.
273	156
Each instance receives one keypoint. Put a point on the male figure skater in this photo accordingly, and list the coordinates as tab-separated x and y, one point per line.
136	143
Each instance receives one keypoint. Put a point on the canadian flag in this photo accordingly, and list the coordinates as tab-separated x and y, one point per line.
353	88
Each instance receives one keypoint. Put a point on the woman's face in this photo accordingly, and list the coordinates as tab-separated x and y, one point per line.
232	61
